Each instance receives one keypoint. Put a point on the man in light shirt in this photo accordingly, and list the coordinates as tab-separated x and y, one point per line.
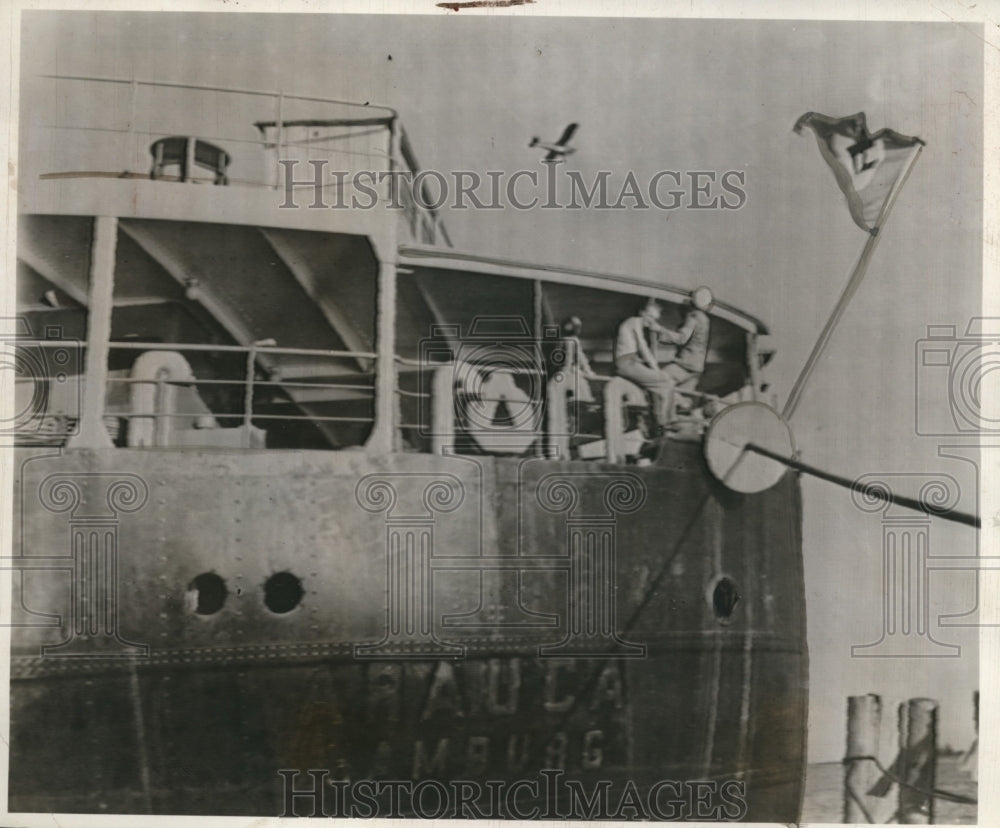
635	360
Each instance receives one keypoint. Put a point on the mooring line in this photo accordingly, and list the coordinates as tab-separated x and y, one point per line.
879	492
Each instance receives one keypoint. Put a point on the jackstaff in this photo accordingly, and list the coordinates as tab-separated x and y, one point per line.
871	170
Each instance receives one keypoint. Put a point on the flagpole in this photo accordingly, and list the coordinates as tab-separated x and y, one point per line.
857	276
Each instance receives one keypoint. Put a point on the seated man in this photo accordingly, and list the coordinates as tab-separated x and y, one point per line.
691	340
635	361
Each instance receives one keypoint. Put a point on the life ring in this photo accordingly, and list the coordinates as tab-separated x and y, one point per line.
498	414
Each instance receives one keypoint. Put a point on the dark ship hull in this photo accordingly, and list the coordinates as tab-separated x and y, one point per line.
503	686
278	523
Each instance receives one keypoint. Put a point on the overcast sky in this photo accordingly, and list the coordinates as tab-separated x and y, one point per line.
654	95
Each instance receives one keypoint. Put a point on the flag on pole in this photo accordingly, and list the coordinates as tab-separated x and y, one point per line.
867	167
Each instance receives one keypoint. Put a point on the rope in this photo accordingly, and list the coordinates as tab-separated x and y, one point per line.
651	588
877	492
861	805
929	792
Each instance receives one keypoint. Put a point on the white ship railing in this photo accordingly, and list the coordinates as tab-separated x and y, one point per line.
438	413
445	415
109	134
47	421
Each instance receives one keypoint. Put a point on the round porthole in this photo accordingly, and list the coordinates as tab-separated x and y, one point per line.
207	593
283	592
723	596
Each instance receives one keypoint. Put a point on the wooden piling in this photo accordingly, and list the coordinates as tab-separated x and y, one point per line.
864	716
917	760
